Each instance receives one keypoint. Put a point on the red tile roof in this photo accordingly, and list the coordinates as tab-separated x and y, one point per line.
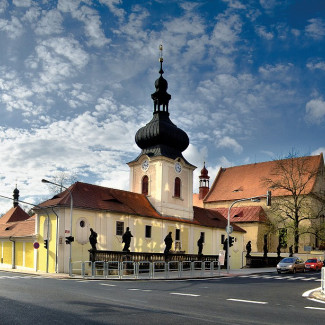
25	228
244	214
94	197
14	214
246	181
212	218
196	200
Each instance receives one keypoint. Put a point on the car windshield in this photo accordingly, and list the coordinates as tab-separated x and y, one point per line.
288	260
311	260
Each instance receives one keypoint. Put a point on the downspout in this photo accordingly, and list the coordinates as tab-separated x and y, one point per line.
13	262
57	241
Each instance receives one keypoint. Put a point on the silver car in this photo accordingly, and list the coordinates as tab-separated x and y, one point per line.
291	264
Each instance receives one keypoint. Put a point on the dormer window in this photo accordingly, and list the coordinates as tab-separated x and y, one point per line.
145	185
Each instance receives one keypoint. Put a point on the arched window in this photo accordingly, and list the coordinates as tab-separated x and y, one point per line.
145	182
177	187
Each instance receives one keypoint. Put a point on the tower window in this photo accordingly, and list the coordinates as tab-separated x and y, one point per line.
178	234
119	228
148	231
177	187
145	182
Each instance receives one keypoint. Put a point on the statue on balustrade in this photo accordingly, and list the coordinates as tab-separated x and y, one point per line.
168	242
265	246
200	244
126	239
93	239
248	249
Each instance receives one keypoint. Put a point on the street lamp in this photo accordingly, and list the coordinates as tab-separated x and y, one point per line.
229	228
71	209
48	225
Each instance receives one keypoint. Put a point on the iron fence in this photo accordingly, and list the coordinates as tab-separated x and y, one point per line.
144	269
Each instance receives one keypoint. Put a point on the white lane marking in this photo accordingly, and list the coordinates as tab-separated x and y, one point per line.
184	294
307	293
134	289
143	290
108	285
317	308
249	301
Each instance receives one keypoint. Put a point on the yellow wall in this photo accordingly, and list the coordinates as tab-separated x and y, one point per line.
19	254
7	252
29	255
42	252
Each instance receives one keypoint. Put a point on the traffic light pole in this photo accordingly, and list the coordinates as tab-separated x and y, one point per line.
229	228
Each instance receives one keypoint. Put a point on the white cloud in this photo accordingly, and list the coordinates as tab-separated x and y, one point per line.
50	23
13	28
228	142
319	151
315	111
22	3
3	6
316	28
90	19
226	33
316	65
262	32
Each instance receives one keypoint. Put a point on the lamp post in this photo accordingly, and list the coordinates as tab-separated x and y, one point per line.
48	225
71	209
229	229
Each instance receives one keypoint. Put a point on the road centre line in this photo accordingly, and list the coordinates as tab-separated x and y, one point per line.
248	301
108	285
184	294
317	308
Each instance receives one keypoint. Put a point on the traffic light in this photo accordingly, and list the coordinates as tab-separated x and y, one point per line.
225	244
69	240
231	241
268	198
45	243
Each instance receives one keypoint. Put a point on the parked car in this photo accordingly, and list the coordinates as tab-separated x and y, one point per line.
314	264
291	264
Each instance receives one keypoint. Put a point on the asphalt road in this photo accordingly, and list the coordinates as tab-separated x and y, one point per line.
249	299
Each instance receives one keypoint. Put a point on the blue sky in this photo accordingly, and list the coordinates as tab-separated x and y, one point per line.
246	78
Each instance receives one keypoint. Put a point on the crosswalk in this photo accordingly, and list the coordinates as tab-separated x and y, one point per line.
281	277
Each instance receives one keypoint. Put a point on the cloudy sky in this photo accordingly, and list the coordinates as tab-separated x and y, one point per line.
246	77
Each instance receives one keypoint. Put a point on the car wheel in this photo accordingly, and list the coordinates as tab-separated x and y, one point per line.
279	272
294	270
304	270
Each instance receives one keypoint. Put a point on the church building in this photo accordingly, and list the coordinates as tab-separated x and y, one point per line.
159	202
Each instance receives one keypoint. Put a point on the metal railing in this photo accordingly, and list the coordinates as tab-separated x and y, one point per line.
323	281
144	269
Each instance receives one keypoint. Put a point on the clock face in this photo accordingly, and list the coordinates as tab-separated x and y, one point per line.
145	165
178	167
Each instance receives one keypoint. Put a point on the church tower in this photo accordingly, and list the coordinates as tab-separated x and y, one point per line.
204	183
160	171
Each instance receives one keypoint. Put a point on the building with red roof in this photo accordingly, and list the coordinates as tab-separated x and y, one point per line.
254	180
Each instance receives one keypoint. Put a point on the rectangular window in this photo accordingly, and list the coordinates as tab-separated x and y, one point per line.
222	239
178	234
148	231
119	228
203	236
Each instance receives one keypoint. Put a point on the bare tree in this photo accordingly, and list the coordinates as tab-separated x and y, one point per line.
64	179
297	206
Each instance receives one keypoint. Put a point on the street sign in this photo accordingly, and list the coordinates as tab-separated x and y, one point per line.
307	248
36	245
222	257
229	229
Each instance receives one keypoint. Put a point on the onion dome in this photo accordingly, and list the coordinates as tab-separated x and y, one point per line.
204	173
161	137
16	196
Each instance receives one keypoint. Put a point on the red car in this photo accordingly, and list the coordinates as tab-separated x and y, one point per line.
314	264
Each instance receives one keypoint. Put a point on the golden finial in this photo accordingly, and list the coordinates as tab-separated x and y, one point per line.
161	53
